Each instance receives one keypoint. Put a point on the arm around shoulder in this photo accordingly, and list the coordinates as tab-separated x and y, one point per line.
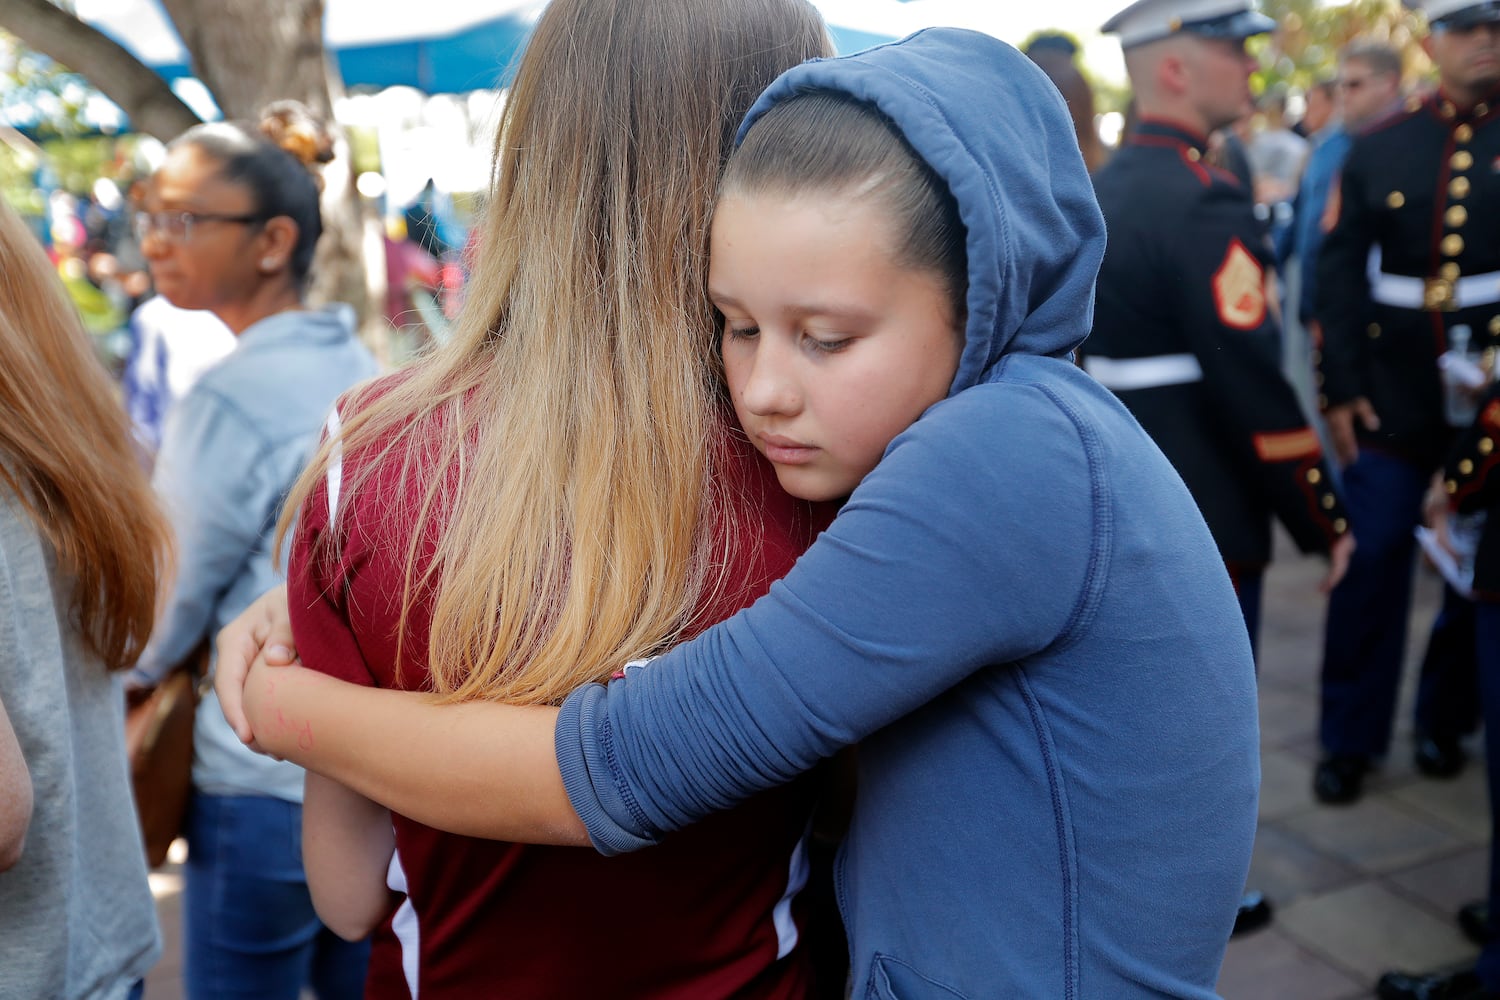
481	769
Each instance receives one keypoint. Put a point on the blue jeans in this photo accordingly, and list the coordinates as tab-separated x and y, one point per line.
249	929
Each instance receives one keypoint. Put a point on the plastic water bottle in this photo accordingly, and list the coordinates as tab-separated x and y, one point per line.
1463	377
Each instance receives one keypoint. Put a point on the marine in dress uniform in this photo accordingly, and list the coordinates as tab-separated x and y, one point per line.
1185	332
1412	258
1184	329
1471	482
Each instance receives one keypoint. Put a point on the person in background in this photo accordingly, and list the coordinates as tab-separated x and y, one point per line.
83	549
170	350
1184	332
229	224
1367	87
1276	153
1320	108
1057	55
1409	270
1469	490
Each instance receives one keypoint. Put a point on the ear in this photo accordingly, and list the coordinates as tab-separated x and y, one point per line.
1174	73
278	238
1427	45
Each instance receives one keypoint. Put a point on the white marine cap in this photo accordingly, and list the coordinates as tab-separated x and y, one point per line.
1151	20
1458	13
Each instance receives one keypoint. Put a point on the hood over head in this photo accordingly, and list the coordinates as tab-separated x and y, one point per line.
991	124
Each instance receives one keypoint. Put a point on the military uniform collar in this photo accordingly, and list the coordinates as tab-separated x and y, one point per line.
1151	131
1449	110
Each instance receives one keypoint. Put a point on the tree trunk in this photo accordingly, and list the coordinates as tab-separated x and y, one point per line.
141	94
251	52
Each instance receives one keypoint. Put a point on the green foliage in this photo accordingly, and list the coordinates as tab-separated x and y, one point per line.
1312	32
52	96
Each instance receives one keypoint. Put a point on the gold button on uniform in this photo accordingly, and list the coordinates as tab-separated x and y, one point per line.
1457	216
1453	245
1481	109
1466	467
1486	446
1449	270
1373	330
1395	199
1463	133
1328	501
1495	325
1462	160
1194	155
1314	476
1459	187
1451	486
1340	526
1448	109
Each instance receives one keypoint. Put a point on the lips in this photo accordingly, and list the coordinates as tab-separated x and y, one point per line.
785	451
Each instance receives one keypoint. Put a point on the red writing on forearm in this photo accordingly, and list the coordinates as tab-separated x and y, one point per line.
302	730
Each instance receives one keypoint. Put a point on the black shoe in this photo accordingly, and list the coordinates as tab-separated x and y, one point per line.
1474	921
1445	986
1439	758
1254	913
1339	779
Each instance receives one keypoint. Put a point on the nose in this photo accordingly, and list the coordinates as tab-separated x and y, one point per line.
154	246
770	387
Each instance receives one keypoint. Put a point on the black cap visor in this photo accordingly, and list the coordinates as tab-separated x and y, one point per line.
1237	26
1469	17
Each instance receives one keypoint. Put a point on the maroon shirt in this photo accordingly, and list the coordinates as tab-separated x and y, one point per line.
691	918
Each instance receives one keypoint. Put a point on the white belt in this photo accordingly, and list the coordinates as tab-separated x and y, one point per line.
1407	292
1123	374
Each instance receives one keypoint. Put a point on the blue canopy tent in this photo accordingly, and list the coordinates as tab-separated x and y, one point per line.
440	46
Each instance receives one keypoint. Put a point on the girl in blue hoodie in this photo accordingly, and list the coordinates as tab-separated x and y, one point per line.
1018	613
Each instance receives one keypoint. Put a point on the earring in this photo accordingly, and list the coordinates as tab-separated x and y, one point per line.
268	264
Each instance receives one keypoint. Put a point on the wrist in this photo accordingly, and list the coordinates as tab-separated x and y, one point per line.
277	702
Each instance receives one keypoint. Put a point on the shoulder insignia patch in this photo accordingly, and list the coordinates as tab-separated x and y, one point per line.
1240	288
1332	207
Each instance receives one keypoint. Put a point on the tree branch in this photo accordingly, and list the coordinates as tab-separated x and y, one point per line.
145	97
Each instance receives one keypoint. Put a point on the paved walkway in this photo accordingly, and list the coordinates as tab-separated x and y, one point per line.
1357	889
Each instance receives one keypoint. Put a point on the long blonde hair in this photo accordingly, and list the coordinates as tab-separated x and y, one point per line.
66	452
566	434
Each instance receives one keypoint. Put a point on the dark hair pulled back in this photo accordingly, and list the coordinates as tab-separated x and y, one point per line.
276	159
826	142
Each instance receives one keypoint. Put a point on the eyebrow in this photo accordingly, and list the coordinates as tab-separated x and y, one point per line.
803	308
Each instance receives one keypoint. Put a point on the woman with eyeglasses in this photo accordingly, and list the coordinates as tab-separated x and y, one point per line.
229	224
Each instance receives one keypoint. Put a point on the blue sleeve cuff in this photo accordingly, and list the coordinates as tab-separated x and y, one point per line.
584	754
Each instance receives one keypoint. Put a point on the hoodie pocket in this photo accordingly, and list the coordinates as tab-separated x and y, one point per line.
893	979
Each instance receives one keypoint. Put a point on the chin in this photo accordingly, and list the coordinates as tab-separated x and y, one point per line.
814	489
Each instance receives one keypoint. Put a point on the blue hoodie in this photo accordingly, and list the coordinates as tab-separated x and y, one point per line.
1019	615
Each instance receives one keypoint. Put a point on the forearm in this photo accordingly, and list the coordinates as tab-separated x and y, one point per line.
479	768
347	843
15	795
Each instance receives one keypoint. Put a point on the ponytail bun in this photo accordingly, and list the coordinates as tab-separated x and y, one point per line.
292	127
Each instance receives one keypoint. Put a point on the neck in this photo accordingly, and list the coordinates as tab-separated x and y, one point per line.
1178	112
1466	96
244	313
